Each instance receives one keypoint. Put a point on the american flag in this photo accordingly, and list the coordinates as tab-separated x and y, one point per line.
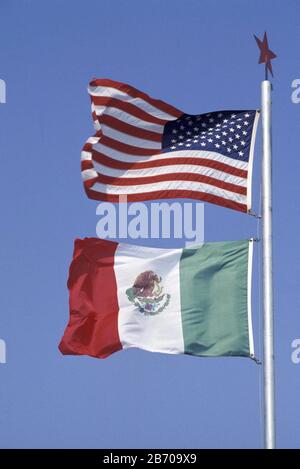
146	149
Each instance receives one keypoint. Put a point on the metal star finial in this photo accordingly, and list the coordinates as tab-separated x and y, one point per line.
266	55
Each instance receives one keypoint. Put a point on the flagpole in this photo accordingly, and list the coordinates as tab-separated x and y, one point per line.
269	384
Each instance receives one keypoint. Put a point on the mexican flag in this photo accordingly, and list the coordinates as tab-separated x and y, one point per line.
195	301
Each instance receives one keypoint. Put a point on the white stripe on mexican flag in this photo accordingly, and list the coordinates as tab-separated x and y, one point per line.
149	330
195	300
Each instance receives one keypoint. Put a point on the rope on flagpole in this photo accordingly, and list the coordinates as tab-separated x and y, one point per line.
260	342
254	214
256	240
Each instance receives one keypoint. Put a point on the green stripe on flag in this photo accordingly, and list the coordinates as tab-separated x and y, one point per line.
213	289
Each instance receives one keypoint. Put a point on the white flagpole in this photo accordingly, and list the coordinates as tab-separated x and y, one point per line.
269	394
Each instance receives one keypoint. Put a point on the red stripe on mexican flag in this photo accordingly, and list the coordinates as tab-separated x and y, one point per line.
195	300
93	324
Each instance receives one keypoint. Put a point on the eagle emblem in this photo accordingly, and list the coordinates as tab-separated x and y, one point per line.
147	294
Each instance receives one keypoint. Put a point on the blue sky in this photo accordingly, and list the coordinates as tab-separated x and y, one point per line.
199	56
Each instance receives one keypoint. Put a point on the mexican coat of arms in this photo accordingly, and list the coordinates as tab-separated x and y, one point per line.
147	293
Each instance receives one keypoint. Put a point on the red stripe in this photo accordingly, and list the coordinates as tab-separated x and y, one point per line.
87	147
116	164
94	116
93	324
130	149
86	164
129	129
123	181
172	194
134	93
127	107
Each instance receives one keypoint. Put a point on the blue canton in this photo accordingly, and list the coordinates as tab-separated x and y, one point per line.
226	132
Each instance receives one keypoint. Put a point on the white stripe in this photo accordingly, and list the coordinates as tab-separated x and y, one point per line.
170	186
106	91
209	155
128	118
93	140
193	169
129	139
161	332
86	156
97	126
249	295
88	174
